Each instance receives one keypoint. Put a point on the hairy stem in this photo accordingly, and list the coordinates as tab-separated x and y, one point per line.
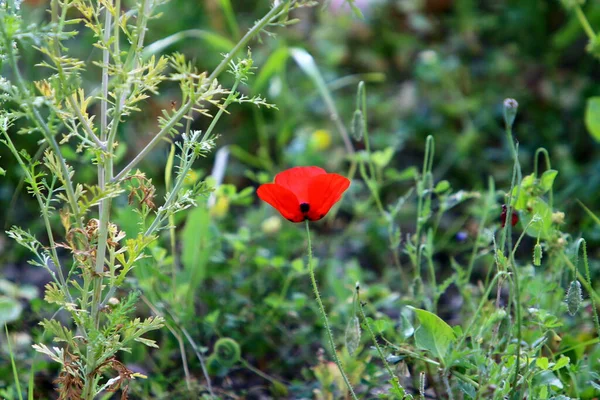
395	381
324	315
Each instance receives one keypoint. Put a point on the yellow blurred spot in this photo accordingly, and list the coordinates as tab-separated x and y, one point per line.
221	207
320	139
191	177
271	225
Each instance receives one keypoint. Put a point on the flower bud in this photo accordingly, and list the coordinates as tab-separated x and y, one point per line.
574	297
357	128
510	111
558	217
537	255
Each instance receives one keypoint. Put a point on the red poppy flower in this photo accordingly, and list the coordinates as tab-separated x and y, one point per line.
302	193
514	217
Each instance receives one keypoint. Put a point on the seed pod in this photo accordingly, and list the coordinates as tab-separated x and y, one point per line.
358	125
537	255
352	336
574	297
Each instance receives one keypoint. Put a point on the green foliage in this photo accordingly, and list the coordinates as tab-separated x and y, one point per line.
592	119
151	256
433	335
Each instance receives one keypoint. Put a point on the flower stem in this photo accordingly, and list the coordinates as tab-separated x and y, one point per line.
393	378
324	315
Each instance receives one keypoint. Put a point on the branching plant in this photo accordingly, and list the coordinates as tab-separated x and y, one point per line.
92	257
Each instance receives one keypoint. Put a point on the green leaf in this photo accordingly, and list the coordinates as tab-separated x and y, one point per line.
542	363
520	203
404	175
217	42
442	186
198	245
562	362
355	9
407	330
433	335
383	158
547	179
543	227
592	117
275	64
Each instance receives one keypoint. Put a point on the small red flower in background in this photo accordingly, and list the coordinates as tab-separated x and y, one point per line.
302	193
514	218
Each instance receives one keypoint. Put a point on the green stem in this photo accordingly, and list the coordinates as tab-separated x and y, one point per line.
324	315
155	140
43	209
273	13
488	203
173	194
484	300
426	178
589	281
543	151
37	118
516	181
584	22
395	381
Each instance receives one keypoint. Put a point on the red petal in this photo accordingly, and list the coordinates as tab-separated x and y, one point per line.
282	200
323	192
297	180
515	219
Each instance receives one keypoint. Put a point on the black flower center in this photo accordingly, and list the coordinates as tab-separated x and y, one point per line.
304	207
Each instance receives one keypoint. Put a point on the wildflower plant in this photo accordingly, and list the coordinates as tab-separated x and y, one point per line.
90	261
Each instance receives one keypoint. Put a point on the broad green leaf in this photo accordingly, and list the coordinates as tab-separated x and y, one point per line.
547	179
542	363
407	330
547	378
520	203
433	335
543	227
592	117
198	245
